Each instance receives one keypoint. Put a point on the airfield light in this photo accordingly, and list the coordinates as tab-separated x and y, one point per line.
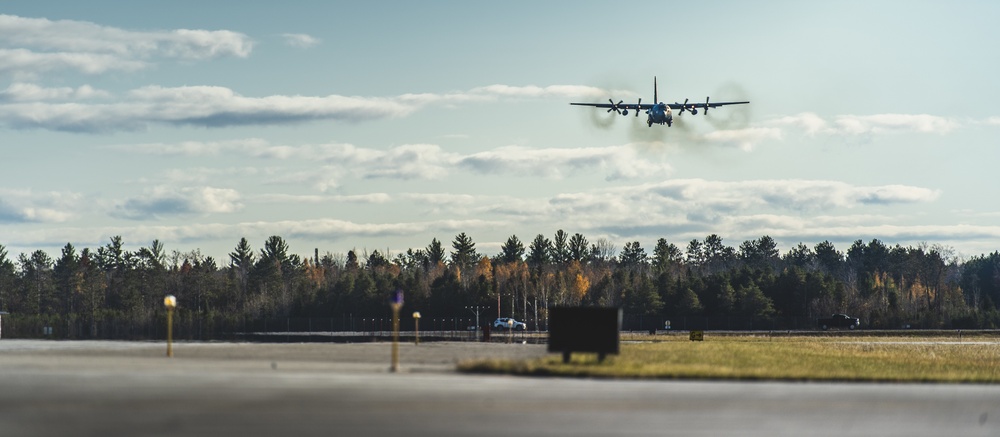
416	324
170	302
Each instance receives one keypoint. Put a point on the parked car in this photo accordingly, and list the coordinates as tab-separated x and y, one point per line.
839	321
509	323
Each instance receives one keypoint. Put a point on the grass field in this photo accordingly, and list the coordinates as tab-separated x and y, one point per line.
888	359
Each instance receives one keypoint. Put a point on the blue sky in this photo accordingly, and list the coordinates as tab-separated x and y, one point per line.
369	126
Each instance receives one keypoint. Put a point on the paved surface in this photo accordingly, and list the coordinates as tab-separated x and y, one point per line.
121	388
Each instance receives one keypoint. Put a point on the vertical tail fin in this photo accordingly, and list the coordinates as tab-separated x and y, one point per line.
655	99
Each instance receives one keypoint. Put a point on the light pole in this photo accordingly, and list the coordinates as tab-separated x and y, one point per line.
416	323
170	302
476	310
396	302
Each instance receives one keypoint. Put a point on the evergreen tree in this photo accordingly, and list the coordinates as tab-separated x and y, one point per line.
829	258
801	256
68	278
665	255
241	261
464	255
578	248
7	279
539	252
352	261
695	253
560	248
37	283
435	252
633	256
512	250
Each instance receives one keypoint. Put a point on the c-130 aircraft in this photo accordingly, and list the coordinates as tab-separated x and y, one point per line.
658	113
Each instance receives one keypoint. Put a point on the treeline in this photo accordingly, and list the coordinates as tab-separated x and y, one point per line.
887	287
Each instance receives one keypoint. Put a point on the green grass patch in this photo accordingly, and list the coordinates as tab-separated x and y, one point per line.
784	358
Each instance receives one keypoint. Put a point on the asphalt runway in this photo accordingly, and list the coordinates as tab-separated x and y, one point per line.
127	389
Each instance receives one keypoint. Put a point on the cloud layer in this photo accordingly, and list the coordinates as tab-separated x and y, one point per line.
788	210
160	202
39	45
29	106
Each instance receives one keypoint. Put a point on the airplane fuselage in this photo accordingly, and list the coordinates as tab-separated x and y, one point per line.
659	114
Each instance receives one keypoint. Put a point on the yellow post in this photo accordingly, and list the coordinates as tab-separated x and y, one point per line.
170	302
396	302
416	322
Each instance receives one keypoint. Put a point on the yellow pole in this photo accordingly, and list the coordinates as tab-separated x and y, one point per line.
170	332
170	302
396	302
416	321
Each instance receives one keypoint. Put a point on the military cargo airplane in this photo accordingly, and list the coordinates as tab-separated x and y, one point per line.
658	113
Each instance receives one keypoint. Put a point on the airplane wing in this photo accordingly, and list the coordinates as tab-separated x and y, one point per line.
628	106
706	105
620	107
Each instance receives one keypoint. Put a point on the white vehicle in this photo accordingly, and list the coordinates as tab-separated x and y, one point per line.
509	323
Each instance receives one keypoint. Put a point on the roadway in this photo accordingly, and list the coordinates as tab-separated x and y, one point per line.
129	388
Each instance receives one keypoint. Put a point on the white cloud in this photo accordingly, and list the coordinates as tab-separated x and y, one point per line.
561	91
811	123
161	202
28	62
26	92
203	175
30	46
199	106
791	194
883	123
619	162
87	37
422	161
370	198
195	148
216	106
745	139
28	206
300	40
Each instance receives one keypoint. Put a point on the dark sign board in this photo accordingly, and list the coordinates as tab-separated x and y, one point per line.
584	329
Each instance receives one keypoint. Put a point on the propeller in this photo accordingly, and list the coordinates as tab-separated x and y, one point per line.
614	106
638	106
683	107
706	105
